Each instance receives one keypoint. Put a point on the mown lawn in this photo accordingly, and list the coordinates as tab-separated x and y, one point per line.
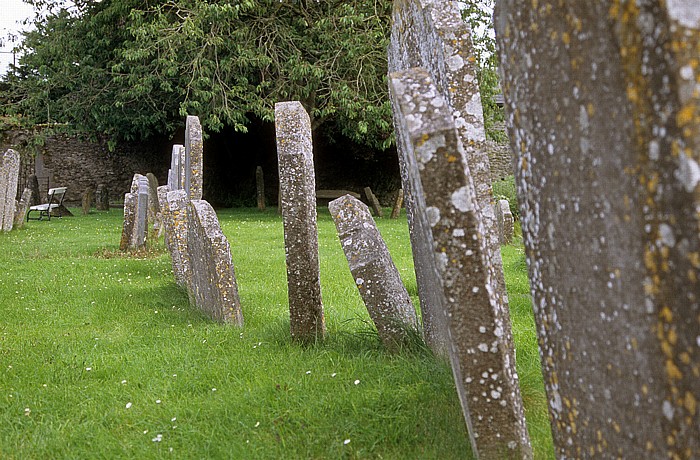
101	355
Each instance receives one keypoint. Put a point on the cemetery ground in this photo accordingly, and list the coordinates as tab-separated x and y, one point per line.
101	355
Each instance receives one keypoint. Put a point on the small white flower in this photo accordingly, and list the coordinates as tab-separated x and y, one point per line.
308	372
213	389
158	438
157	401
173	419
346	442
357	382
257	424
27	411
333	374
123	382
145	431
88	369
128	405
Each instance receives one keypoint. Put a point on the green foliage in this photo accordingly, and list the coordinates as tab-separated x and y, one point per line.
505	190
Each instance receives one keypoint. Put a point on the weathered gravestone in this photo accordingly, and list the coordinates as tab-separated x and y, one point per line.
23	207
135	227
194	151
162	193
603	107
9	176
505	221
102	198
432	35
375	274
176	171
398	203
212	287
260	187
129	221
373	202
458	267
87	198
153	204
298	206
176	234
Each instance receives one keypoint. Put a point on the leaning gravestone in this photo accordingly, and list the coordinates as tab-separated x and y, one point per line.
102	198
505	221
396	211
23	207
194	151
162	194
481	349
176	234
373	202
213	282
88	196
153	205
431	34
298	205
375	274
9	176
130	204
603	107
135	214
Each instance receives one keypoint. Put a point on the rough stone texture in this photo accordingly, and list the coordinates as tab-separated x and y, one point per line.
140	231
9	174
458	267
260	187
500	160
153	204
375	274
298	206
102	198
603	107
194	151
33	183
130	203
162	194
23	207
176	233
213	282
396	211
88	195
431	34
505	221
373	202
176	171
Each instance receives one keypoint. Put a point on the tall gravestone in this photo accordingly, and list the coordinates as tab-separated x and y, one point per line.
134	230
130	206
175	173
373	202
375	274
102	198
153	203
194	151
603	108
9	177
162	194
176	234
398	203
505	221
445	203
213	282
298	206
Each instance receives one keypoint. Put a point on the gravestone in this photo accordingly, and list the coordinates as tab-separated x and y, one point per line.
603	107
176	171
102	198
260	186
458	267
194	151
176	234
431	34
213	282
130	204
373	202
33	183
375	274
298	206
87	198
505	221
9	176
140	231
153	205
398	203
23	207
162	194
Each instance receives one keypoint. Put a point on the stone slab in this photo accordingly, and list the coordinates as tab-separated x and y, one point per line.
102	198
194	151
23	207
176	234
373	202
398	203
9	177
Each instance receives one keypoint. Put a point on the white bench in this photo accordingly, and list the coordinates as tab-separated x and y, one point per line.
55	200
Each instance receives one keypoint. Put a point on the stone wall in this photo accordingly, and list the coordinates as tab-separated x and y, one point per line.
79	163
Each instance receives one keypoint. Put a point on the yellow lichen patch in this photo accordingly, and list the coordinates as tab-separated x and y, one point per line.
690	403
672	337
692	276
666	314
650	446
685	115
566	38
684	357
451	158
672	370
590	109
645	390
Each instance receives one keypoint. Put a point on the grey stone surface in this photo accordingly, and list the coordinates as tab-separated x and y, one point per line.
153	205
398	203
213	282
260	187
102	198
88	196
162	194
298	206
505	221
194	151
176	234
373	202
140	231
458	267
431	34
176	171
602	103
130	203
23	207
375	274
9	176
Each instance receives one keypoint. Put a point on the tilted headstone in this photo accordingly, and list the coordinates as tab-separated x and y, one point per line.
102	198
176	234
603	108
458	267
130	205
431	34
176	171
375	274
9	177
298	205
398	203
87	198
505	221
153	206
373	202
213	282
33	183
162	201
23	207
260	187
194	151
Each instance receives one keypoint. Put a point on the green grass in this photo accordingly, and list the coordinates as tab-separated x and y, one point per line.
86	331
